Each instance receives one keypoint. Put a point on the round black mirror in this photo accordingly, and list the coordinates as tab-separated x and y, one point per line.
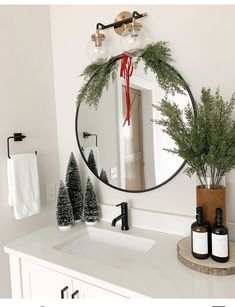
130	157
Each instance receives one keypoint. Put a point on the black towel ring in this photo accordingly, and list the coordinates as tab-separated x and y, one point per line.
17	137
87	135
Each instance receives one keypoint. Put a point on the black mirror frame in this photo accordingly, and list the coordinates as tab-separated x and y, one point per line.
164	182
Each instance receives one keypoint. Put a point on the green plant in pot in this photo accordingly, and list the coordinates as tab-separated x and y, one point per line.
205	138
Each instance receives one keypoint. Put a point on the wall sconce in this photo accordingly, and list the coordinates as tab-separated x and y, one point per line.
133	37
98	49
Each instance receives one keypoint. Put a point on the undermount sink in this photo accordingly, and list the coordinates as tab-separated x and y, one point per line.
118	250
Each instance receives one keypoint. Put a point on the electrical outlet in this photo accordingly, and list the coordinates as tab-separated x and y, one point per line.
51	192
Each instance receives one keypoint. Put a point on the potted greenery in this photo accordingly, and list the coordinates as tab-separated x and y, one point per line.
206	140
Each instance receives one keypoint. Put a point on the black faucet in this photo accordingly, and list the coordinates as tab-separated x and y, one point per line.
123	216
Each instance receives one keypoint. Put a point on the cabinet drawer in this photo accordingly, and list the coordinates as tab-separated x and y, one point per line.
90	291
40	282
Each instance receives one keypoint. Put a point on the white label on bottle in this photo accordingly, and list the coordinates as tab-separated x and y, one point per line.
200	242
219	245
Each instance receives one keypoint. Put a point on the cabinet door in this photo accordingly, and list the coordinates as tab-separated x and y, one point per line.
89	291
40	282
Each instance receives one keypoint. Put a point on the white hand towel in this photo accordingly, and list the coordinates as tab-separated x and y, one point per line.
23	182
10	183
95	150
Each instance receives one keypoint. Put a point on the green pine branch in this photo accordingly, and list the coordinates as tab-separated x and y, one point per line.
156	57
206	141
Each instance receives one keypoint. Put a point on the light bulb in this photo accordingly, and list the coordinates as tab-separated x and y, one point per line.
98	49
99	54
133	40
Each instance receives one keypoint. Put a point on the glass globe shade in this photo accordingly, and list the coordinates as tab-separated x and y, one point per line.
98	54
133	40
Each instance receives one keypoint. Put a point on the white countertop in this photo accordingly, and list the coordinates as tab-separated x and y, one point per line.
158	275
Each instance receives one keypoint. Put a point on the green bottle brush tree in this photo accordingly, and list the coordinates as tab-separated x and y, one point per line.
91	210
74	187
64	213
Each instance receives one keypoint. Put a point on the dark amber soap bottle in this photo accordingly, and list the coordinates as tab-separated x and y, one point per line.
219	239
199	236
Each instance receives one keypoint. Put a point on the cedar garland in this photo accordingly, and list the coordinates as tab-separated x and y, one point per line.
156	57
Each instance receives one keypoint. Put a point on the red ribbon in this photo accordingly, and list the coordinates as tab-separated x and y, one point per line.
126	72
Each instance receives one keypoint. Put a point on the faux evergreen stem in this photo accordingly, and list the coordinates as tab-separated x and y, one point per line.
200	179
213	176
156	57
205	139
218	179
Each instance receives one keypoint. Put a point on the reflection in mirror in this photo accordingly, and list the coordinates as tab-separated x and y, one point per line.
132	157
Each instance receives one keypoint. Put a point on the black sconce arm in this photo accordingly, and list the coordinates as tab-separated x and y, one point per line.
119	23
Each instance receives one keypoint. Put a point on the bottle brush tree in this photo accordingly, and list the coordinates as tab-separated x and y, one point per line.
91	163
91	212
206	139
74	187
64	213
103	176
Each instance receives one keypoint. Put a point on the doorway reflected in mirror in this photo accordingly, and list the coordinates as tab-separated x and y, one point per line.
132	156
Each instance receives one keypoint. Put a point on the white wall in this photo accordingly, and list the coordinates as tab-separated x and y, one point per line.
167	163
27	105
202	41
99	122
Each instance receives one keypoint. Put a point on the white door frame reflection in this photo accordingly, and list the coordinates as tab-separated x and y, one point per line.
110	132
148	90
164	166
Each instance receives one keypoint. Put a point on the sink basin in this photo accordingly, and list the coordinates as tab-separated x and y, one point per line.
118	250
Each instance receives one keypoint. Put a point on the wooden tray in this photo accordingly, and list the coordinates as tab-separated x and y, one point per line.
207	266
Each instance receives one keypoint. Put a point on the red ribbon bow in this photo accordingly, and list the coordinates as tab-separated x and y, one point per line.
126	72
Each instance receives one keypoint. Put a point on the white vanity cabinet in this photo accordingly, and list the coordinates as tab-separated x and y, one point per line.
42	282
41	267
89	291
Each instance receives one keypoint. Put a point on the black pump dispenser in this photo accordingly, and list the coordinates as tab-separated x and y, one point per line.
218	216
199	215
